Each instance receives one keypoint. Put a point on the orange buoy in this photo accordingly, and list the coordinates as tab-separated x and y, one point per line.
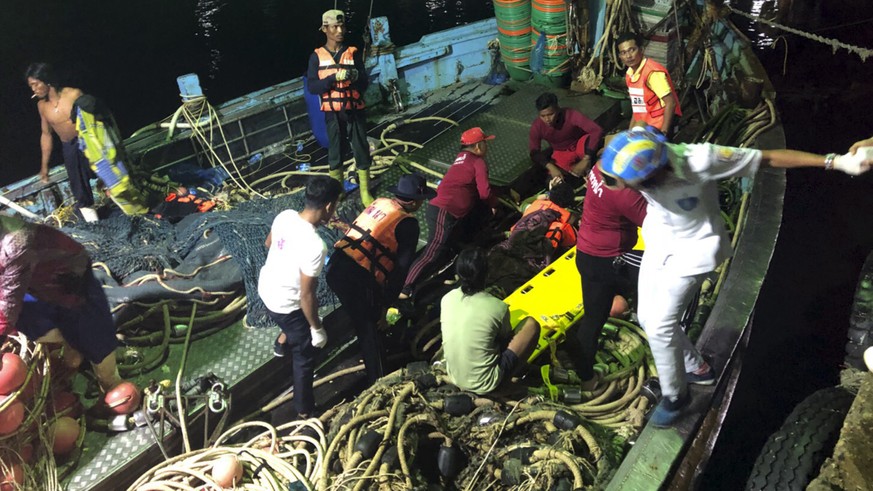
12	373
619	307
123	398
11	417
13	478
64	432
227	471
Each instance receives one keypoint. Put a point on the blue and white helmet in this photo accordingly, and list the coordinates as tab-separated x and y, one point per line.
633	156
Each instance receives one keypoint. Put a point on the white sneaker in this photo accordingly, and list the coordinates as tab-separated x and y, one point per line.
89	214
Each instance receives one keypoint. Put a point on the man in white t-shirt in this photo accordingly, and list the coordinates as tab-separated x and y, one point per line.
289	280
685	237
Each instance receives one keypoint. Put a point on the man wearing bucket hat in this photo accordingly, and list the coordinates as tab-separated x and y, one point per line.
336	74
685	237
463	197
372	259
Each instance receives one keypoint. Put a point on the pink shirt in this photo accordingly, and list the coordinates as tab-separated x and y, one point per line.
610	218
464	184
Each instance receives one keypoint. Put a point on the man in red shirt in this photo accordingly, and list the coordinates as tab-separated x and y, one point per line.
606	263
572	136
49	293
464	197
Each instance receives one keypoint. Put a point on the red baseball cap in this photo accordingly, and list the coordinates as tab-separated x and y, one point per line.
474	136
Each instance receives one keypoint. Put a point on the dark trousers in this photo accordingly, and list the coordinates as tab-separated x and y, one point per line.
89	328
602	280
361	297
441	225
79	173
343	128
303	357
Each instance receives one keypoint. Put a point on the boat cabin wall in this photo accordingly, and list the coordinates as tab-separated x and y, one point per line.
443	58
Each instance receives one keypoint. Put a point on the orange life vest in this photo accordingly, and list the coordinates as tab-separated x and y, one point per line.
342	95
561	233
371	240
646	104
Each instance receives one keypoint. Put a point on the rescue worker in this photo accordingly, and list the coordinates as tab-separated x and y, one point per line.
288	284
55	104
480	347
606	263
685	236
49	293
573	138
652	93
336	73
464	198
371	261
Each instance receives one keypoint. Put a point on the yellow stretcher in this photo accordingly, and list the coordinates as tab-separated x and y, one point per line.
554	298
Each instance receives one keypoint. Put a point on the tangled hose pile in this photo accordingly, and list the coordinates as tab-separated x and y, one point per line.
414	427
287	457
39	418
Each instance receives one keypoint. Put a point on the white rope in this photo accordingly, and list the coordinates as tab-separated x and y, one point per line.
864	53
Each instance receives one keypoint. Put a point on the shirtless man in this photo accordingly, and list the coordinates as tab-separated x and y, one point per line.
55	104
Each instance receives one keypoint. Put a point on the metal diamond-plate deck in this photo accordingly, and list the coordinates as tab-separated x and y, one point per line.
231	354
510	120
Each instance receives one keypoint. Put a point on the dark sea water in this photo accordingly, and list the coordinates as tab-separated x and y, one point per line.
129	53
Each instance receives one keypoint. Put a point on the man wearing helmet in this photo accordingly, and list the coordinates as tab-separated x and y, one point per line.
685	237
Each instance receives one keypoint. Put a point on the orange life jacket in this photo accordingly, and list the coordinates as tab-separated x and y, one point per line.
371	240
561	233
342	95
646	104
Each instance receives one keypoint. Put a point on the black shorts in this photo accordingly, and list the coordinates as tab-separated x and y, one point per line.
507	363
88	328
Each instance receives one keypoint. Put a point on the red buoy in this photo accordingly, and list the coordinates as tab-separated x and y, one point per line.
123	398
11	417
13	478
64	400
13	371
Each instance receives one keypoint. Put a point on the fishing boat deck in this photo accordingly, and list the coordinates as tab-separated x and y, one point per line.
242	357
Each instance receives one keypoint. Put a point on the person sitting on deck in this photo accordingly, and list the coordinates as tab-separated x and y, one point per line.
464	201
686	238
652	94
479	346
371	262
49	293
288	283
573	138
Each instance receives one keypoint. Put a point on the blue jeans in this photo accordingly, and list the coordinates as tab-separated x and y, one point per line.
303	357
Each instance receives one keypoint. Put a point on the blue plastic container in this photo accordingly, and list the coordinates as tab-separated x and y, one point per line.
189	86
316	116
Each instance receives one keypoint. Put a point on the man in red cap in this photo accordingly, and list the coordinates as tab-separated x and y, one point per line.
463	197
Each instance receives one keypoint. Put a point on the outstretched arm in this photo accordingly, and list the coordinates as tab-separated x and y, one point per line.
849	163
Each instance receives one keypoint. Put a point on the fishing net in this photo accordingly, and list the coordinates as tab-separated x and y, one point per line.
184	259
